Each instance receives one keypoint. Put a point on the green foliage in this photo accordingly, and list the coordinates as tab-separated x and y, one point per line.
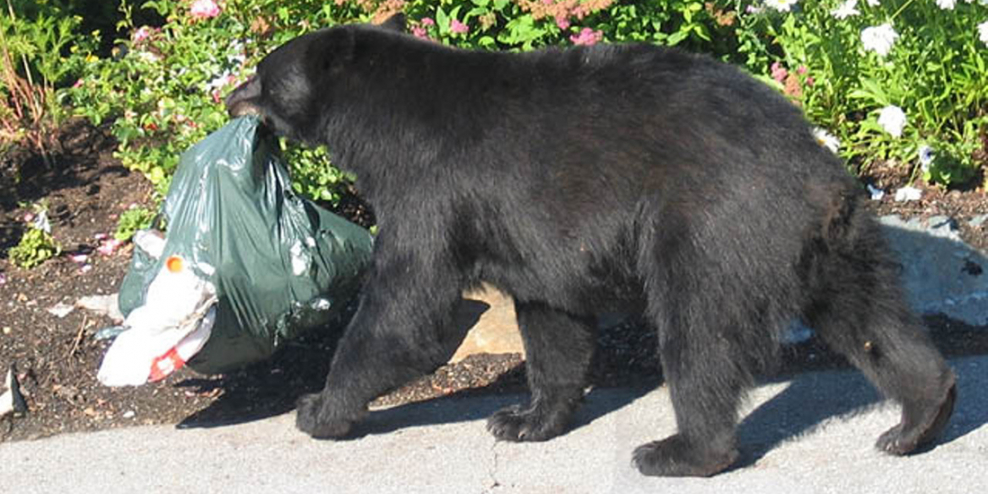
163	86
35	247
132	220
37	41
935	71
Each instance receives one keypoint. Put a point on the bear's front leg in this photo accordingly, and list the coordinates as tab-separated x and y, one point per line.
558	350
402	330
322	418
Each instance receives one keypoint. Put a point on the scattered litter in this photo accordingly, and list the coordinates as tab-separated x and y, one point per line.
41	222
152	241
129	414
85	268
109	246
79	258
7	330
907	193
61	310
172	325
876	193
3	279
99	236
975	222
105	305
12	401
109	333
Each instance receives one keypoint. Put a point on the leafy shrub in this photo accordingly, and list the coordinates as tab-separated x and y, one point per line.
35	247
36	39
163	87
850	62
132	220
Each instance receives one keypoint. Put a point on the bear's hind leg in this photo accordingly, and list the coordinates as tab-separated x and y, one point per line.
867	321
558	347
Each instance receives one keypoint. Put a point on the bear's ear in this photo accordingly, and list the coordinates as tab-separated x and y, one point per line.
395	23
332	50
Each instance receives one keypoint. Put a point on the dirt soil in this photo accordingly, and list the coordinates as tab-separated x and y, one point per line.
55	358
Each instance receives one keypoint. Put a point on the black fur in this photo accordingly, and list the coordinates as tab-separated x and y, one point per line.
585	180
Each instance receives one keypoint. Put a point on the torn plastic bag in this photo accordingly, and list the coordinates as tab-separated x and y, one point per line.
277	263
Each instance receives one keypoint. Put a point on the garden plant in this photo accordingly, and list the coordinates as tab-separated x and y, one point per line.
901	82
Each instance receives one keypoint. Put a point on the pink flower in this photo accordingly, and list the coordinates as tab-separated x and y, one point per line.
562	23
801	70
458	27
779	73
587	37
810	81
427	21
78	84
141	34
420	32
204	9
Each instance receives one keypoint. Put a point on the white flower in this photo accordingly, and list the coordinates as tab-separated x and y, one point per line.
946	4
983	32
879	39
873	3
826	139
781	5
926	156
892	119
845	10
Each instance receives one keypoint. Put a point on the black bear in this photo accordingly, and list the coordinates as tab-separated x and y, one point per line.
581	180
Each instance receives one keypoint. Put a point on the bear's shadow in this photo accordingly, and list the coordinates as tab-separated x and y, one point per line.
811	399
261	391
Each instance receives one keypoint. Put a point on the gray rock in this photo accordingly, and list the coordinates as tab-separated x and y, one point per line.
941	274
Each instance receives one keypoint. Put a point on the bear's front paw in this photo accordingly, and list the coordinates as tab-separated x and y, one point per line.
320	419
673	457
533	424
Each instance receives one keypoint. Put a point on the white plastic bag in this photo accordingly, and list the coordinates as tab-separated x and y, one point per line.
165	332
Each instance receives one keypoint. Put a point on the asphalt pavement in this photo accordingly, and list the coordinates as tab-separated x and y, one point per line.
812	433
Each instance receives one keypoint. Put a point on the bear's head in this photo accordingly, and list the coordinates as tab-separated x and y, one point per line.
294	83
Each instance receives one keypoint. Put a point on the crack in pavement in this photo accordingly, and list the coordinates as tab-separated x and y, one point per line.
492	471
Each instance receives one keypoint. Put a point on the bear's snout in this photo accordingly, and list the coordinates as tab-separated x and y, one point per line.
243	99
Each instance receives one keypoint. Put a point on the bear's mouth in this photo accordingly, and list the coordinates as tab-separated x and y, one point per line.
242	101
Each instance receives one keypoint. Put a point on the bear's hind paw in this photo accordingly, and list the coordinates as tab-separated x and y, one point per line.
918	428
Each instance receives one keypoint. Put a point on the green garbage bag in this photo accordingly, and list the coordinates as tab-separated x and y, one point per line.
279	263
